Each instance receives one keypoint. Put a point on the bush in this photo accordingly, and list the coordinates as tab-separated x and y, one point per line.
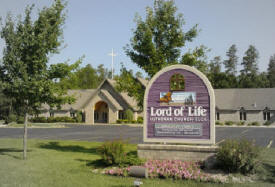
39	120
254	123
131	159
238	156
229	123
241	123
140	120
78	117
51	120
133	121
113	152
219	123
119	121
124	121
129	115
64	119
267	123
20	120
10	118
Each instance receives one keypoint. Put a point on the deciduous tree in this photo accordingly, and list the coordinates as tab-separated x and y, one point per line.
158	39
27	78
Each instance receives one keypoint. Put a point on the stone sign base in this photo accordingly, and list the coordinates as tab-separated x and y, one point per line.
176	152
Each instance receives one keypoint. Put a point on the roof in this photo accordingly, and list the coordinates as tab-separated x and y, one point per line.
144	82
81	96
111	99
248	98
129	100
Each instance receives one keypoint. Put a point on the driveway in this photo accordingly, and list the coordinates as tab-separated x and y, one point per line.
261	135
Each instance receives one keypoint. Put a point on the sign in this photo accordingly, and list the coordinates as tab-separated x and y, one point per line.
179	107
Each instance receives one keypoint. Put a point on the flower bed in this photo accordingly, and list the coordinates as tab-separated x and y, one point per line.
175	169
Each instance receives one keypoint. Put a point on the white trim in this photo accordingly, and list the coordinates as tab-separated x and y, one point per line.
212	108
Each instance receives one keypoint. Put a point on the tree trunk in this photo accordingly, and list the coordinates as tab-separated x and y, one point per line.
25	136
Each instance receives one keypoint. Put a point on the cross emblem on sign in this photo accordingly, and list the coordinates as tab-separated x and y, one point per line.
177	82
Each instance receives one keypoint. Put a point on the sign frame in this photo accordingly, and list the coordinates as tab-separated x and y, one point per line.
210	90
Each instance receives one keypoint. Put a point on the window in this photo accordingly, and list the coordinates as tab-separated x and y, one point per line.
104	116
121	114
72	114
96	115
266	114
218	116
242	114
177	82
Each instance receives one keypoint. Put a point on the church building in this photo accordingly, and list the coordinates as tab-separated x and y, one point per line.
106	105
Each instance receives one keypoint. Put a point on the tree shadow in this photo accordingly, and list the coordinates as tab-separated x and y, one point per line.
99	164
269	175
9	152
67	148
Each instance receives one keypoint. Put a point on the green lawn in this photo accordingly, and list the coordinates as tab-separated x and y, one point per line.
68	163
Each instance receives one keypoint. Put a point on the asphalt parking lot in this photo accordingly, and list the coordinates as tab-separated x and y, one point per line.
262	136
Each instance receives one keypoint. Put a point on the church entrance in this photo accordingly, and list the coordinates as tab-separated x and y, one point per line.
101	112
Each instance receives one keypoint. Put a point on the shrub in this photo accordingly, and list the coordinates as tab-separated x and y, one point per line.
78	117
140	120
51	120
10	118
129	115
131	159
39	120
240	123
219	123
229	123
64	119
238	156
255	123
20	120
267	123
125	121
119	121
113	152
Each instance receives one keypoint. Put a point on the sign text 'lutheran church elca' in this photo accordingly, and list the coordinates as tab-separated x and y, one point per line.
179	107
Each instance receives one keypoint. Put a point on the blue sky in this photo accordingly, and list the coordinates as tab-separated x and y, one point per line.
94	27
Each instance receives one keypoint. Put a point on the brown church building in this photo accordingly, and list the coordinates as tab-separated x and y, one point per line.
106	105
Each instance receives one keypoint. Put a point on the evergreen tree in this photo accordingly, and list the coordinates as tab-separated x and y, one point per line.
271	71
231	63
215	65
250	61
249	74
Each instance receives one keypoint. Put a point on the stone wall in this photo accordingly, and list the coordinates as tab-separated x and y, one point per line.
176	152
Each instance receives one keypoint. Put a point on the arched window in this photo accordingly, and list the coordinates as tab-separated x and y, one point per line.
266	114
177	82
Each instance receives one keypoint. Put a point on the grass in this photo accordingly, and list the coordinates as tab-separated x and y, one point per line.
69	163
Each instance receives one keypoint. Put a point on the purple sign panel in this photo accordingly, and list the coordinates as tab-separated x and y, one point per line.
179	107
